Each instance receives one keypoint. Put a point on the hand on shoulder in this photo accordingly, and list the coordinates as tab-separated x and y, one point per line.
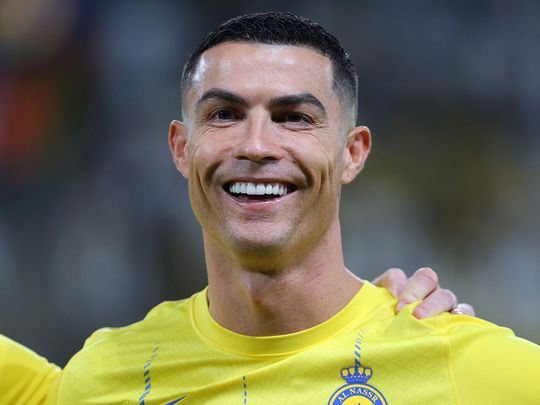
423	286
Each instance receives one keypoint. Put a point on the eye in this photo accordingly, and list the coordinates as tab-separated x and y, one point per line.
292	118
224	114
295	117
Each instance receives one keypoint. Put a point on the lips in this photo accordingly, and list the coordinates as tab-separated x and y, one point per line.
260	190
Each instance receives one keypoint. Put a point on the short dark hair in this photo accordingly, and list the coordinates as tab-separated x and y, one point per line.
281	28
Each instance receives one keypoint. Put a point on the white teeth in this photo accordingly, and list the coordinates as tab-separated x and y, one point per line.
250	189
257	189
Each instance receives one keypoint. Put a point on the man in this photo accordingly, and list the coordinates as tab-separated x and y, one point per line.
268	139
26	378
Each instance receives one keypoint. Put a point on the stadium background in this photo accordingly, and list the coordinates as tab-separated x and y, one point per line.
95	227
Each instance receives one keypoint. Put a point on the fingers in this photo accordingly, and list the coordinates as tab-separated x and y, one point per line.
422	283
394	280
437	302
422	286
463	309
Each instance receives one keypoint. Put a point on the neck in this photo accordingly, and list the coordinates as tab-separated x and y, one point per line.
284	298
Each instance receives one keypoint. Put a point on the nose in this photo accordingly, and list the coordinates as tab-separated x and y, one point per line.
259	142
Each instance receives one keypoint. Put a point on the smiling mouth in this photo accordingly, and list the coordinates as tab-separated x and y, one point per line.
255	192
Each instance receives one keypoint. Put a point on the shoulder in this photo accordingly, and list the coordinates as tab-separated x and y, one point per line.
487	359
163	316
25	377
482	362
116	356
469	334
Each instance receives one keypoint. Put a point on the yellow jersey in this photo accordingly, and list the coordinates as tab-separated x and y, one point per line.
364	355
25	377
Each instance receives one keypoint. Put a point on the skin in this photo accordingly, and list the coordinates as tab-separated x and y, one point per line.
268	113
276	268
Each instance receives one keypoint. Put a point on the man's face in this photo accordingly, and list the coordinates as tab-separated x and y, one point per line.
264	148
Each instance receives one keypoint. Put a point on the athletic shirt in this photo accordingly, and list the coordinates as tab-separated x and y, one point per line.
364	355
25	377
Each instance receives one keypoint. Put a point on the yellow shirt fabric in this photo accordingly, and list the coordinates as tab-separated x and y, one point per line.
364	355
25	377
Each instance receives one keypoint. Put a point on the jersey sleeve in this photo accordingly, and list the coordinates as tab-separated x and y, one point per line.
491	365
25	377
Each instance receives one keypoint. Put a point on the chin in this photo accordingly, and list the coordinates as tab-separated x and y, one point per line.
259	245
263	244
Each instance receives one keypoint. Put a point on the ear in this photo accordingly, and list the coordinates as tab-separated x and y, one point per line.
177	145
355	153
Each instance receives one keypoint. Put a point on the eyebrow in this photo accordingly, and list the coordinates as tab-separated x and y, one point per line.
282	101
221	94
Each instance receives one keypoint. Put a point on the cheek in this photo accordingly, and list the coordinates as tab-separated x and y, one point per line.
318	155
205	155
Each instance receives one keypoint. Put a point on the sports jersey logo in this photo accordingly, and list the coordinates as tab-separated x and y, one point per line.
356	391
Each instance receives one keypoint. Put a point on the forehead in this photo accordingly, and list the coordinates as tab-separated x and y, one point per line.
257	70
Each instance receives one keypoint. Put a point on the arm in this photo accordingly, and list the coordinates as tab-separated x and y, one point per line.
423	286
25	377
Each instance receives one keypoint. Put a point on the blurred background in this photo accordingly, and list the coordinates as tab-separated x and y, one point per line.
95	225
